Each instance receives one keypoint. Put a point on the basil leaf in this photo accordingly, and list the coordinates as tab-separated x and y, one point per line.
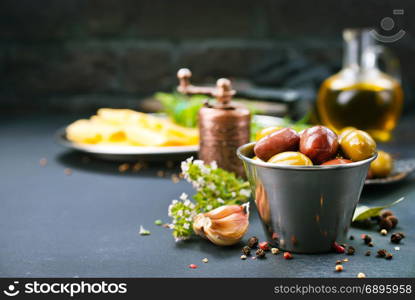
365	212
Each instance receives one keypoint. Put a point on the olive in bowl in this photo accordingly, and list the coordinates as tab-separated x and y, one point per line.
285	139
290	158
357	145
319	143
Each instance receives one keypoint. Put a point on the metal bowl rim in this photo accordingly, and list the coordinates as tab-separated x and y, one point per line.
302	168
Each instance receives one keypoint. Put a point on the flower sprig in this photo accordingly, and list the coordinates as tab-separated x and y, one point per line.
215	187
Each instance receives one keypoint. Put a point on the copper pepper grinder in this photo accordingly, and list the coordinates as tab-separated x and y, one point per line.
223	125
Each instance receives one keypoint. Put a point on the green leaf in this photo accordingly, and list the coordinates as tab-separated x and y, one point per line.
365	212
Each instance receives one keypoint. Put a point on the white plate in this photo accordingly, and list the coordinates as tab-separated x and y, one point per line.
131	153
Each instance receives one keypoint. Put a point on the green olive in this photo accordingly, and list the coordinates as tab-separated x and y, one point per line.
266	131
382	165
290	158
357	144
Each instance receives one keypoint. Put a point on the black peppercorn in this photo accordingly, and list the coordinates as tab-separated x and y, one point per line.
246	250
368	253
388	256
382	253
386	213
350	250
351	238
402	234
253	242
396	237
370	244
260	253
338	262
367	239
393	220
385	224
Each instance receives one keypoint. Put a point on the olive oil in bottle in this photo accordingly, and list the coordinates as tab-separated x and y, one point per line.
360	95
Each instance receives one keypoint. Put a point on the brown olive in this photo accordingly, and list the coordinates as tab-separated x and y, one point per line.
357	145
266	131
319	143
291	158
382	165
337	161
282	140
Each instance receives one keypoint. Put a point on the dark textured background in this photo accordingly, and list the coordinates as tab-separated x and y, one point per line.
81	54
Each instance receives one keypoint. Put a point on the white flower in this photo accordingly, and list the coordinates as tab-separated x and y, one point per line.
189	219
221	200
186	225
180	213
192	205
209	207
174	201
245	192
198	163
187	203
183	196
211	186
233	194
214	165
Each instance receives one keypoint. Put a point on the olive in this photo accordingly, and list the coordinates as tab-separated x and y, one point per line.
345	131
357	145
256	158
282	140
266	131
291	158
337	161
382	165
319	143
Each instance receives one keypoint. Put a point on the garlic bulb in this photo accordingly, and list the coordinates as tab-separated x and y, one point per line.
223	226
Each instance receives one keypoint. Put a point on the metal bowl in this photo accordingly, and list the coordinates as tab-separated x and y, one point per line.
305	209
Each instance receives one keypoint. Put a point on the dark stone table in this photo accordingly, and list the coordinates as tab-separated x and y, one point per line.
86	223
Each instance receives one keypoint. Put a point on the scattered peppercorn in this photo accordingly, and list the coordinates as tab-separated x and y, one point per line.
275	251
350	250
361	275
339	268
253	242
402	234
260	253
366	238
397	237
383	232
382	253
264	246
389	256
243	256
193	266
246	250
338	248
205	260
345	259
393	220
351	238
338	262
386	213
385	224
368	253
370	244
288	255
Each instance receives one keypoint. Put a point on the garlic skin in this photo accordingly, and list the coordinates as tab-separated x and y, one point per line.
223	226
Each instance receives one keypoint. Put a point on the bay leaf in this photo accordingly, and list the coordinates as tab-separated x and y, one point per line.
365	212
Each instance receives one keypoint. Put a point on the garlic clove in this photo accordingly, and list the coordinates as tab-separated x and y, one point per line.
225	225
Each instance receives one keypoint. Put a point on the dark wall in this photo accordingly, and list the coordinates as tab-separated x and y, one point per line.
80	54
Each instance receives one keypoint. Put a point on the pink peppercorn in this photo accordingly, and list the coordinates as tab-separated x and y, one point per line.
288	255
264	246
193	266
338	248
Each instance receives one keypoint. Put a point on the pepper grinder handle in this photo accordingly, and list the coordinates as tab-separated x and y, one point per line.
223	91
